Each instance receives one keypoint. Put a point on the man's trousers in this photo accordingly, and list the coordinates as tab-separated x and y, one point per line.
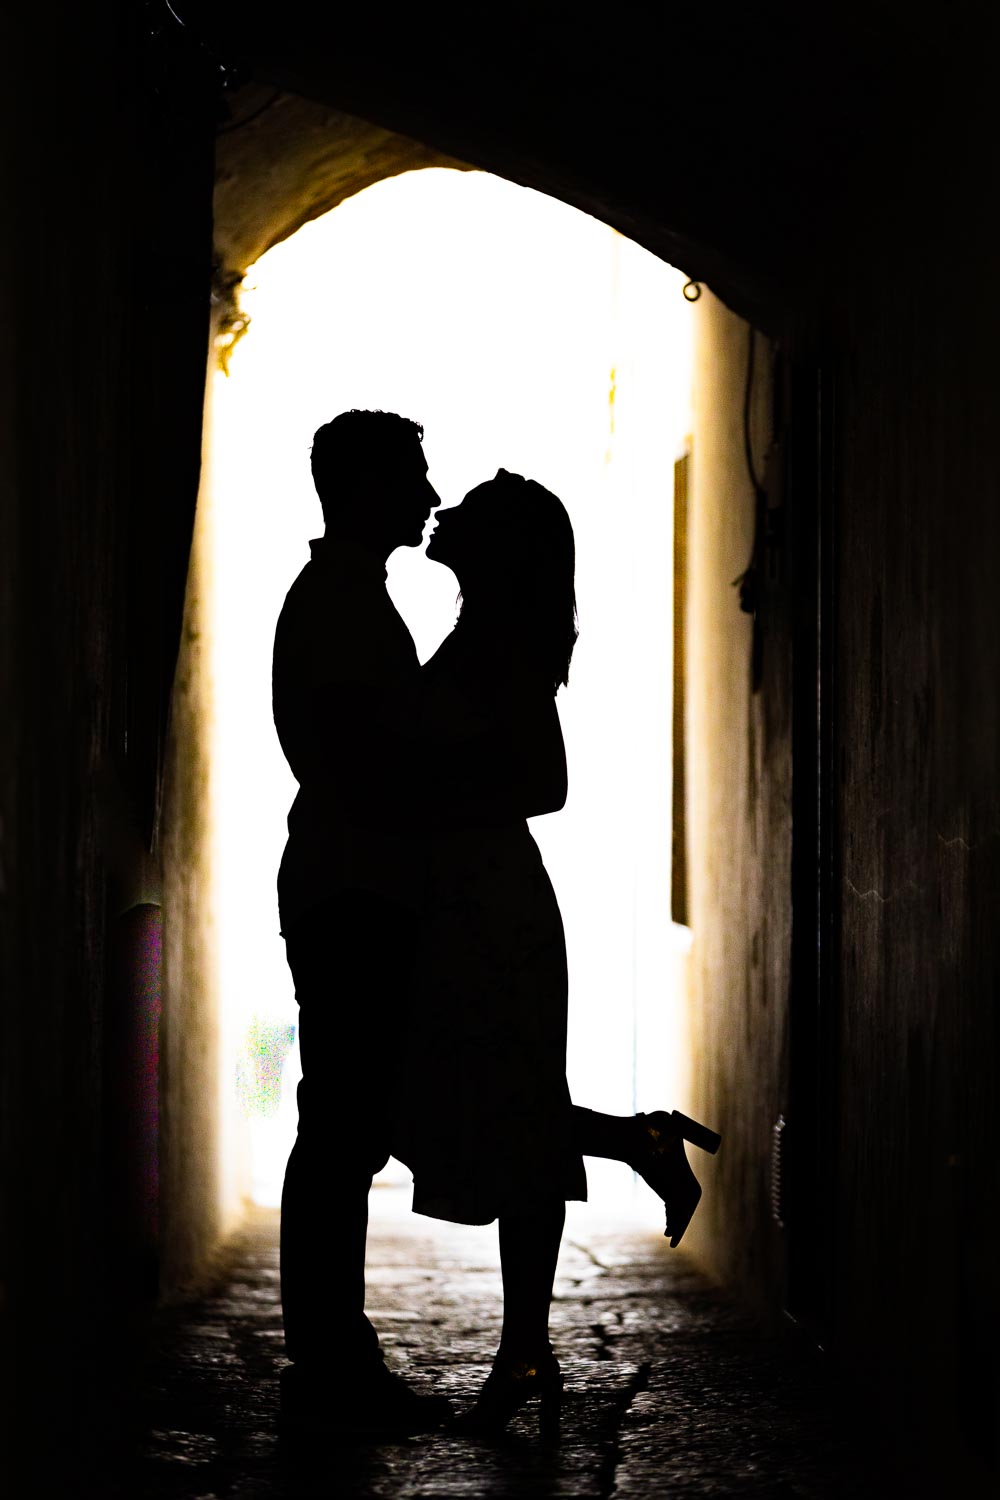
352	961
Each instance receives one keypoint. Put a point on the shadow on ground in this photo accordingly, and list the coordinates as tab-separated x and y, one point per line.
670	1390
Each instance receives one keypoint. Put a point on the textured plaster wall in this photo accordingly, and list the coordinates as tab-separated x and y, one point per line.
739	829
193	1214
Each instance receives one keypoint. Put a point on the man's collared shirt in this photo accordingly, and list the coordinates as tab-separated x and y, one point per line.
340	642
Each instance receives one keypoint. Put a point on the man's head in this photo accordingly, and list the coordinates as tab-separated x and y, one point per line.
371	477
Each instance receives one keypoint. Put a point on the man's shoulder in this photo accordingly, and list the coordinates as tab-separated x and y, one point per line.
337	626
303	584
317	593
333	574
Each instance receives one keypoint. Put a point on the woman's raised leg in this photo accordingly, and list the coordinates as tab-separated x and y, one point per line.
653	1146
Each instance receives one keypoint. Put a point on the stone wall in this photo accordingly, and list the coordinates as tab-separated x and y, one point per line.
192	1212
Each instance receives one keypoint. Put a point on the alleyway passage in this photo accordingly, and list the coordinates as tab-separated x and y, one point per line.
670	1392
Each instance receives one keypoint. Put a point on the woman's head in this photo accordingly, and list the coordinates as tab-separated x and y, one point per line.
510	544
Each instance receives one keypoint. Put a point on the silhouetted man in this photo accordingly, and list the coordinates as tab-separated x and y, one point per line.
344	684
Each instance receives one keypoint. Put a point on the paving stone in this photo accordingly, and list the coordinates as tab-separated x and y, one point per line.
670	1390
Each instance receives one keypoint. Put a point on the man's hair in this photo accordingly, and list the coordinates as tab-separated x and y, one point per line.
353	446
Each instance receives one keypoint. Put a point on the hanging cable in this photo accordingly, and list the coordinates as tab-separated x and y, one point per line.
254	115
747	398
749	581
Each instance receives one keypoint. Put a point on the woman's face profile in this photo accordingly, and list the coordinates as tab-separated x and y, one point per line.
468	534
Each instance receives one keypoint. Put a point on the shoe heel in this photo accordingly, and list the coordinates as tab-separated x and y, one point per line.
698	1135
550	1411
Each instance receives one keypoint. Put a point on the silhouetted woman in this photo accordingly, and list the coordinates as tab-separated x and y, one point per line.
491	1132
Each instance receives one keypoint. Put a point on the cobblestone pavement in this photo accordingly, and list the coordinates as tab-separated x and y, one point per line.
669	1391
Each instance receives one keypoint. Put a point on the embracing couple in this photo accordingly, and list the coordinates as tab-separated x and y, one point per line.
422	932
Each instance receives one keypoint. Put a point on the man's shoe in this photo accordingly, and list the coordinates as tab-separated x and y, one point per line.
375	1402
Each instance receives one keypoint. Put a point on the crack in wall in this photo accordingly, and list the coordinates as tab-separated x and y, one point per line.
912	888
960	843
870	894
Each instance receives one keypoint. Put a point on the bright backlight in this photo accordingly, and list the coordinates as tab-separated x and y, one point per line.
522	334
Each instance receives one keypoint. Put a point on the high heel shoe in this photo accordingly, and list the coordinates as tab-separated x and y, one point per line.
510	1385
661	1161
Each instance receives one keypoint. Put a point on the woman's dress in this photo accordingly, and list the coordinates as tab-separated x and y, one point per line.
487	1118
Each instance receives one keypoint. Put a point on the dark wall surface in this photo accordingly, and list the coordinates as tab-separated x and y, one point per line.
723	139
917	745
64	353
108	265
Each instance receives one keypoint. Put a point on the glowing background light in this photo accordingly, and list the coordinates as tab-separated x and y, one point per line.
524	335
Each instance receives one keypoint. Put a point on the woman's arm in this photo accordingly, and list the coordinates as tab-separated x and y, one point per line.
538	777
505	761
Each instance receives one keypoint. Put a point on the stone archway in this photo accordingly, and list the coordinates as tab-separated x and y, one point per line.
282	160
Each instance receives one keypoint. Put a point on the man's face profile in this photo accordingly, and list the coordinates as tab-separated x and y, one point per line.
409	494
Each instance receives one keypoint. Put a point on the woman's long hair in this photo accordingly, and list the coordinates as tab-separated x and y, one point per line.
530	592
